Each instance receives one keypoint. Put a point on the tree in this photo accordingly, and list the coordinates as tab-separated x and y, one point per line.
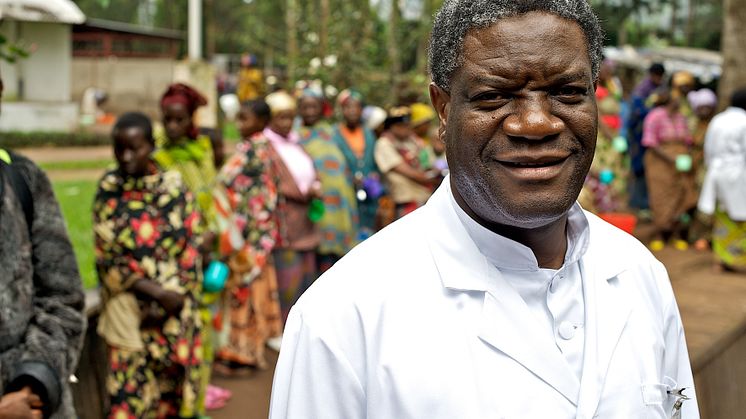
734	60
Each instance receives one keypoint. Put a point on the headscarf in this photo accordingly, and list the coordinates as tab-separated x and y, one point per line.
702	97
682	78
373	117
398	114
422	113
184	94
348	94
280	101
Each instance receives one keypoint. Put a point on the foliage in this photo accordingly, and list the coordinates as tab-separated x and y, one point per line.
76	201
18	139
10	51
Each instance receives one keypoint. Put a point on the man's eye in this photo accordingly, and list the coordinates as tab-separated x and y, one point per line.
571	92
489	96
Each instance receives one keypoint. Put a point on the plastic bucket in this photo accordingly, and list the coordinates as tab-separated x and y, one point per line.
626	222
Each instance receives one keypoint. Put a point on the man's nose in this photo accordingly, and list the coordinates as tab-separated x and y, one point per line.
128	156
533	120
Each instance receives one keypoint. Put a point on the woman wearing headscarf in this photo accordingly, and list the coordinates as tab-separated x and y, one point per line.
183	149
398	156
358	143
703	103
673	193
339	223
147	260
298	187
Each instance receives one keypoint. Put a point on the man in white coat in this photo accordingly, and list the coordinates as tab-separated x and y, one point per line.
501	297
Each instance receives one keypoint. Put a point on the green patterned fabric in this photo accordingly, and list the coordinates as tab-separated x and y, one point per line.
729	240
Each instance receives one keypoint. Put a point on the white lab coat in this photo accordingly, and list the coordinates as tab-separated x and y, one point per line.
415	323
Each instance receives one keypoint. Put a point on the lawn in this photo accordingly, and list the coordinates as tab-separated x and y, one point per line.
76	199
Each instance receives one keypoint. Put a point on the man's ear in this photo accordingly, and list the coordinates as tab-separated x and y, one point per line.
441	101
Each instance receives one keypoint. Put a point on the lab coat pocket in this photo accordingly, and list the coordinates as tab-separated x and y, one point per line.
654	396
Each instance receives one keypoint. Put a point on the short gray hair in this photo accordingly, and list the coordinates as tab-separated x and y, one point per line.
457	17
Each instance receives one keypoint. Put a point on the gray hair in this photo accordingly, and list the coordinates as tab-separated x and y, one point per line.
457	17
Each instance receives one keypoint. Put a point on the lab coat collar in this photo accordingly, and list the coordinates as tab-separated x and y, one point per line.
505	323
462	266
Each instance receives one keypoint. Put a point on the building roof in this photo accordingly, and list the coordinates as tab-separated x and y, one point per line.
59	11
101	25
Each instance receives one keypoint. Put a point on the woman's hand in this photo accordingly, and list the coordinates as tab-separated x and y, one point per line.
21	405
171	301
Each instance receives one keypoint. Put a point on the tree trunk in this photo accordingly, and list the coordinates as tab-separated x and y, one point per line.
690	19
291	23
393	49
674	18
324	28
732	42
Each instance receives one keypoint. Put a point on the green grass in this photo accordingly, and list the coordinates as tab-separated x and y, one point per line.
77	164
76	199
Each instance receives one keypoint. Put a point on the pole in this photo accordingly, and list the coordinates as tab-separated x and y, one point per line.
195	30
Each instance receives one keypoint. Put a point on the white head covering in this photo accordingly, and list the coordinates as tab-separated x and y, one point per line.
280	101
373	117
702	97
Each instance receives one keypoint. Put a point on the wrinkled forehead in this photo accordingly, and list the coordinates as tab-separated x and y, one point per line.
536	43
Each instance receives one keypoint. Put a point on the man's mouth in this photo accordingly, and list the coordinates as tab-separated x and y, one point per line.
534	168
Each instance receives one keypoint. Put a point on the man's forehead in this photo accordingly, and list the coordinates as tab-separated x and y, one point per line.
536	41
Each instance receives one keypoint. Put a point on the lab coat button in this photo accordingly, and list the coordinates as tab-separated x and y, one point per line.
566	330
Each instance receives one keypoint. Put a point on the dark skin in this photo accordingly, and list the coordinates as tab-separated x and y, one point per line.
282	122
22	404
352	113
310	110
249	123
177	120
520	123
132	152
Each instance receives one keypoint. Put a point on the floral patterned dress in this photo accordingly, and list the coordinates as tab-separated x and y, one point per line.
246	200
146	228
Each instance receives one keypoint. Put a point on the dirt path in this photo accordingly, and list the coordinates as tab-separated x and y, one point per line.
57	154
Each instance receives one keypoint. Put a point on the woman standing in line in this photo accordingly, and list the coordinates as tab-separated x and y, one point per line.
358	144
668	165
338	225
295	251
148	264
246	201
183	149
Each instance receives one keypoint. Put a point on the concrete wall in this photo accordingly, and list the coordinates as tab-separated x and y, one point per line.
45	75
133	84
39	116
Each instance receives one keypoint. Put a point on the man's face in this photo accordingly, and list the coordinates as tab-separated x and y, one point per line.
177	120
310	110
520	120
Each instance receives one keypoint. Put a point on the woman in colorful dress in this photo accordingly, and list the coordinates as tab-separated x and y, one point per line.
605	186
295	251
183	149
704	103
146	230
246	201
724	189
339	223
668	164
358	144
398	156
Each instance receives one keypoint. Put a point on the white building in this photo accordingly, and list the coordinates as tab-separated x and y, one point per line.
37	89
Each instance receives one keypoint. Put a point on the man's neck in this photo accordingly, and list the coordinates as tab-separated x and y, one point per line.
548	242
352	126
